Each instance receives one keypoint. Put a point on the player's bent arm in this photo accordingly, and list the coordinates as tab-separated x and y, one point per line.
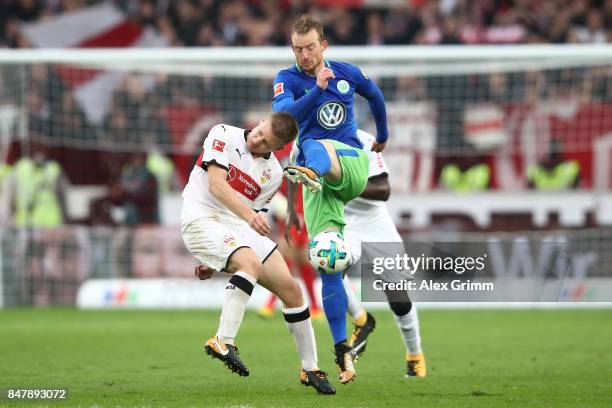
376	100
221	190
296	107
378	188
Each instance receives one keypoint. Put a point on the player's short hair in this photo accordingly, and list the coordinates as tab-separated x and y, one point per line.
284	127
306	23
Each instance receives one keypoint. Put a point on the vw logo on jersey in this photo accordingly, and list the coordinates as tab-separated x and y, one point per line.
331	114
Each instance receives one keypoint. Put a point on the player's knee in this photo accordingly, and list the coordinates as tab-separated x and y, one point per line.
291	294
335	173
252	266
400	308
244	260
331	150
296	293
399	302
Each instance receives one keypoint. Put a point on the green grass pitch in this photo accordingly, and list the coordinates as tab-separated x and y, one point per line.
155	358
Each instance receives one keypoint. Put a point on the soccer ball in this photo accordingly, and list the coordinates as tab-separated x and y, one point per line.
328	253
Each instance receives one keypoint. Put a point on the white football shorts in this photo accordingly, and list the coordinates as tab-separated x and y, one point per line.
213	242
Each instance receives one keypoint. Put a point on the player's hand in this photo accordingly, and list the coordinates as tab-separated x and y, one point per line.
260	224
323	77
291	220
378	147
203	271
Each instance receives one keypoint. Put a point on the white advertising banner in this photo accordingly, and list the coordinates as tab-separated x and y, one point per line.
193	294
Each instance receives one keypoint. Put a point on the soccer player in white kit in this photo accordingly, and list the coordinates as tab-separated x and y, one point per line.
368	220
224	226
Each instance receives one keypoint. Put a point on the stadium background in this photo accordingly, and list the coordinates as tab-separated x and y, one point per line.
124	128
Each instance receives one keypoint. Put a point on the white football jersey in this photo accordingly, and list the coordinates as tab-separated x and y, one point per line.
362	206
369	220
255	180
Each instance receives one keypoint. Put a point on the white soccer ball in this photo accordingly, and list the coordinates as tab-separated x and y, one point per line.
328	253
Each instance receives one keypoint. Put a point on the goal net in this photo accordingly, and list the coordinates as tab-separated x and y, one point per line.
100	114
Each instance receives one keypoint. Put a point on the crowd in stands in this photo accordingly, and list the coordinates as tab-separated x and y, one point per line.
148	112
267	22
143	146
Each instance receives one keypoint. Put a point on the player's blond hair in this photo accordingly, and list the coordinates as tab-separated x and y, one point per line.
306	23
284	127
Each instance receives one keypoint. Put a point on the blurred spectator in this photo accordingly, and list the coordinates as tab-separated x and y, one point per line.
342	29
554	172
599	84
24	10
592	32
136	192
39	190
186	20
375	34
467	175
5	193
160	252
56	262
264	22
147	15
409	88
140	105
132	198
136	112
163	170
401	26
231	13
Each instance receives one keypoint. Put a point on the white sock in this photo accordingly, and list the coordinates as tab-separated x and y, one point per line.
237	294
300	325
410	331
355	308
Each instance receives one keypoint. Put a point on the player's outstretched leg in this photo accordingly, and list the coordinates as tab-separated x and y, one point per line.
344	361
228	354
343	174
303	175
335	307
317	164
275	276
318	380
308	276
299	324
407	320
245	265
364	321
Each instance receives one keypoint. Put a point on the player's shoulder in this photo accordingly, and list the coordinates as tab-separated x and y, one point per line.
288	73
228	134
344	67
226	130
349	71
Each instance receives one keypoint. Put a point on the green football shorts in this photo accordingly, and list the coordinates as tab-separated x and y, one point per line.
326	208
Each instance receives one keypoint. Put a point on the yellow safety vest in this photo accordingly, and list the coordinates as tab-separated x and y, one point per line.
163	170
5	171
476	178
562	176
37	203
